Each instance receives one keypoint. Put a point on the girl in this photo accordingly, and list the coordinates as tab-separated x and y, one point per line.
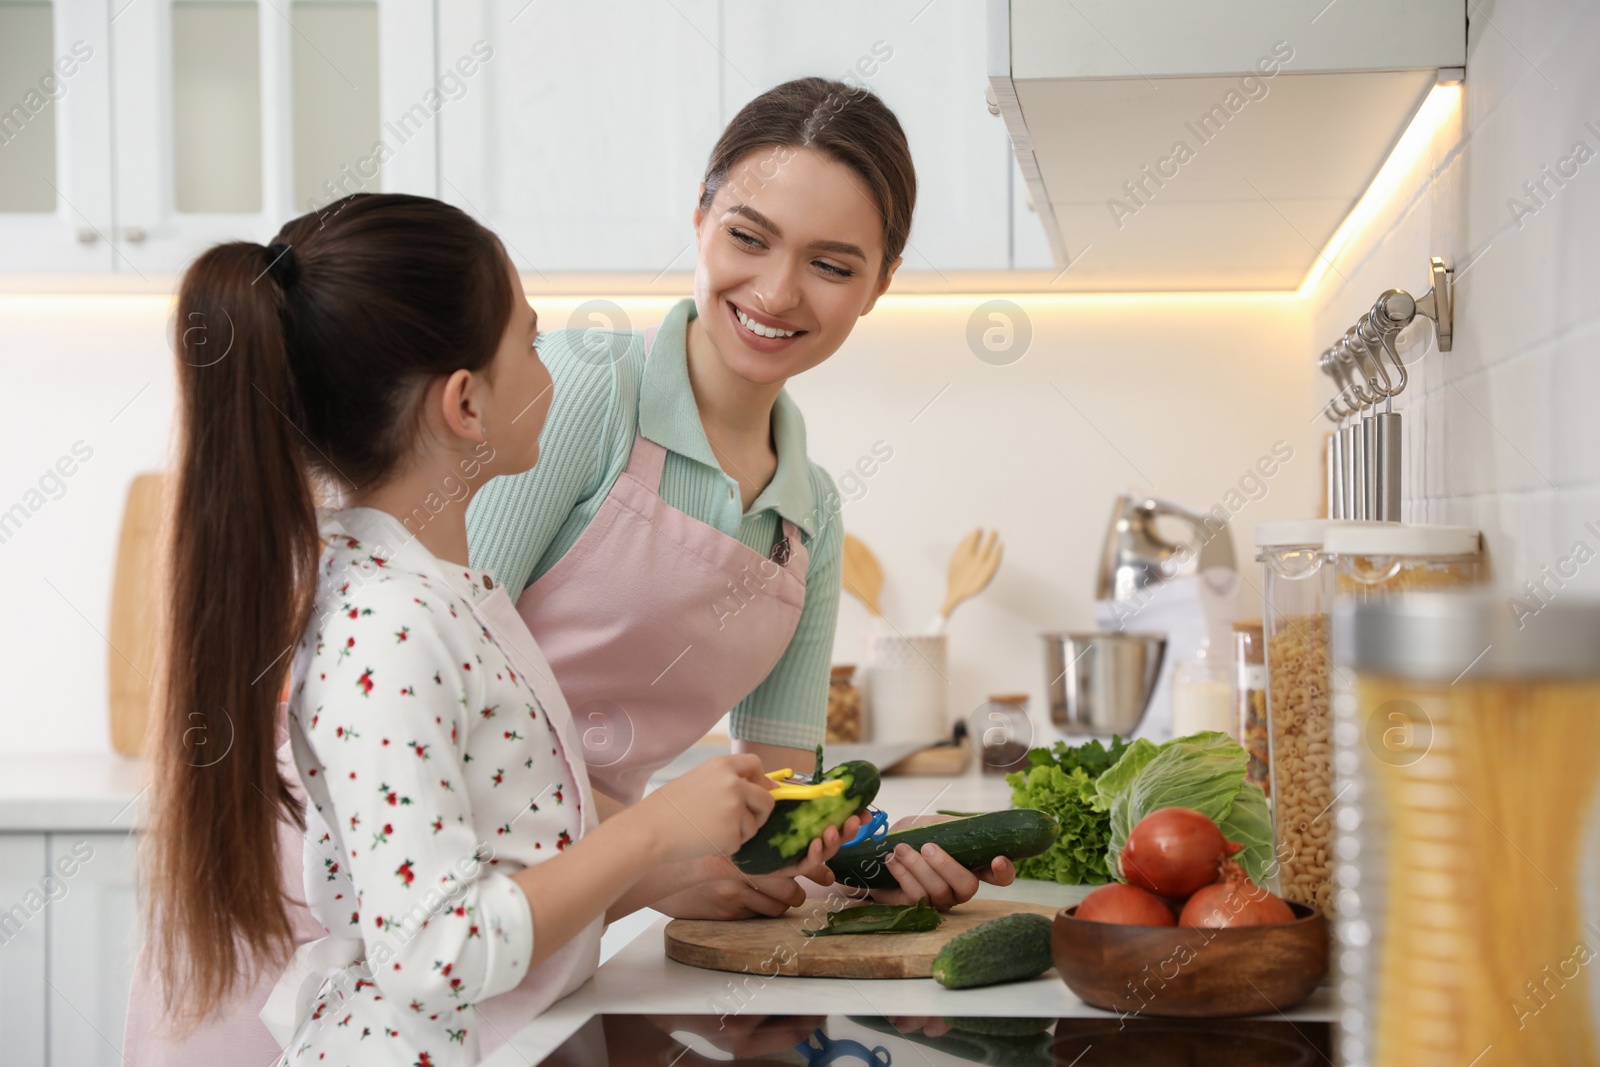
675	478
452	846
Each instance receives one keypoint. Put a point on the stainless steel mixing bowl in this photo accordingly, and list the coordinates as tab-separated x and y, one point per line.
1100	682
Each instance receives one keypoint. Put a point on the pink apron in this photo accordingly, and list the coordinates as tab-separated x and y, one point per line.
655	624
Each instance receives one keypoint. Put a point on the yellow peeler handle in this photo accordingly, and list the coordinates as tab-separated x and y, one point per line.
802	791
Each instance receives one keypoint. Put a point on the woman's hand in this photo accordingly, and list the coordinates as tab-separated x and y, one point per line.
933	874
713	809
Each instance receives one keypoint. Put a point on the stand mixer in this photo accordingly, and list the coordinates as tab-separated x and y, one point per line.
1186	588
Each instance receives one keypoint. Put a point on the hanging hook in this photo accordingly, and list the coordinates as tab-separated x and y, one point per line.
1351	373
1393	312
1335	410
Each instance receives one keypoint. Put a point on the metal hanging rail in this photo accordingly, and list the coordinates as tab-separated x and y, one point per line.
1364	461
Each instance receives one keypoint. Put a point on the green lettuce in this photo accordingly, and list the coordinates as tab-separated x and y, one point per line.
1204	772
1061	781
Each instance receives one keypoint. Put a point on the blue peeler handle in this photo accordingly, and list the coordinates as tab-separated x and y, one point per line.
874	829
832	1050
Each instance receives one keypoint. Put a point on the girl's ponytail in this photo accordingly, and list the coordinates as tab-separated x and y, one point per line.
301	367
243	546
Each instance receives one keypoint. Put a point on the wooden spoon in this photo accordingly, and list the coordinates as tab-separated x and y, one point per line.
863	577
972	568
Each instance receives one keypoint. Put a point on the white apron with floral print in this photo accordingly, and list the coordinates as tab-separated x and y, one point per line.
429	736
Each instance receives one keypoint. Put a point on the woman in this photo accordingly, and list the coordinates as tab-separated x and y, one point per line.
676	553
454	851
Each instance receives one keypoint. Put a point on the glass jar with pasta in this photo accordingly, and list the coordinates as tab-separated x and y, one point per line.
1298	588
1306	567
1468	822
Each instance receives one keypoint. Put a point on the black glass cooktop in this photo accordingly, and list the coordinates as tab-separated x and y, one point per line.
815	1040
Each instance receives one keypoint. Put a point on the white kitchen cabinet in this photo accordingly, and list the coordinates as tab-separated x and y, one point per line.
94	940
583	140
577	129
234	116
22	949
189	122
582	137
55	137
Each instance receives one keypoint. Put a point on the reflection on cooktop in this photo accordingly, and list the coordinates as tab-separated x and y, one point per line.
814	1040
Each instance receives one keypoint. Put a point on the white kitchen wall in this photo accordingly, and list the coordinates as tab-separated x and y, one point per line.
1179	395
1502	432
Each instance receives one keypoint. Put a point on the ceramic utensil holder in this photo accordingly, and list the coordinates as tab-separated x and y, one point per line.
906	687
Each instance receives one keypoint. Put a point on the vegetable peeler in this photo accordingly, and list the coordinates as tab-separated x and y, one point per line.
788	790
874	829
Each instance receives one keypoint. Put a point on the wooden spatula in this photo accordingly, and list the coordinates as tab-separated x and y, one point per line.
863	577
972	567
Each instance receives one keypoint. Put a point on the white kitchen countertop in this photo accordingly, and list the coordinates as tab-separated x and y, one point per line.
101	791
77	792
636	977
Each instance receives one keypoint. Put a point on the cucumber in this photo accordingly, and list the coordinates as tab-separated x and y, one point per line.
1008	949
973	841
794	824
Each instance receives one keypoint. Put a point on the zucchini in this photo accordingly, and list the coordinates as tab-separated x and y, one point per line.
794	824
1008	949
973	841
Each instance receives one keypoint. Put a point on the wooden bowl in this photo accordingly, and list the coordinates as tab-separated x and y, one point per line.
1187	972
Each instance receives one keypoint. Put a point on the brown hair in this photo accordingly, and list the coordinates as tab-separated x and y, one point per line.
299	363
845	122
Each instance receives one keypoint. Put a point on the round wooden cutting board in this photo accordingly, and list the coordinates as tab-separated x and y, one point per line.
779	946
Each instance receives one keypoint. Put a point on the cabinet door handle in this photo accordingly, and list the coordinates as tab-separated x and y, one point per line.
133	235
87	236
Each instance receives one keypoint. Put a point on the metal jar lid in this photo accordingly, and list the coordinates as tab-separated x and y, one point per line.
1451	637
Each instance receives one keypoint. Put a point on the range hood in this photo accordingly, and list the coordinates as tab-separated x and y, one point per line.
1170	145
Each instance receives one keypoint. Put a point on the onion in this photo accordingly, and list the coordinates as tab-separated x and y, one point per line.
1234	901
1174	851
1127	905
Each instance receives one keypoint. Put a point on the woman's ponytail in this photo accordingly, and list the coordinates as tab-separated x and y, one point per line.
300	367
242	548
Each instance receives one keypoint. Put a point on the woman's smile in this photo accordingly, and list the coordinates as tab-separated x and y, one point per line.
764	333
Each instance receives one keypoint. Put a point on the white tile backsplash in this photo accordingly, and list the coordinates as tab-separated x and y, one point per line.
1503	432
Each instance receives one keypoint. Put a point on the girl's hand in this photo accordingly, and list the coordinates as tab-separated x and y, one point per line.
714	808
729	893
934	875
814	864
741	896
